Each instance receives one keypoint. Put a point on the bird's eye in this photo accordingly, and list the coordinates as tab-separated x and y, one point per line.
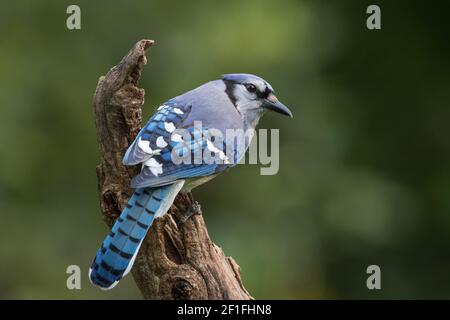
250	87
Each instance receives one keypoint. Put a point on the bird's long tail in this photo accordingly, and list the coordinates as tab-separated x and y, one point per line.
116	256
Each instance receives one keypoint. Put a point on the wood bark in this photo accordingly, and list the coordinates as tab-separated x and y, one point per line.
177	259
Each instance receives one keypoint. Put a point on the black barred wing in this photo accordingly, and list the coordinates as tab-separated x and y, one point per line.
154	138
158	142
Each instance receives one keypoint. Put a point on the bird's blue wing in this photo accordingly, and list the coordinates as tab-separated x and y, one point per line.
158	142
156	134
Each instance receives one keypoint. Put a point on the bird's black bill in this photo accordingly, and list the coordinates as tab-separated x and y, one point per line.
272	103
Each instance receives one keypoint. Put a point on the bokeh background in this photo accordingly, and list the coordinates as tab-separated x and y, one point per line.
365	163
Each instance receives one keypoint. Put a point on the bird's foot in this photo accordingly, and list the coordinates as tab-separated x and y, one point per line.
192	210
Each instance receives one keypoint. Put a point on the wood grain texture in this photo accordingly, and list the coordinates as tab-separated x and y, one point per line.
177	259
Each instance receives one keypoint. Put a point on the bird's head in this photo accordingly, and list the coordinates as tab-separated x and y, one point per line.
252	95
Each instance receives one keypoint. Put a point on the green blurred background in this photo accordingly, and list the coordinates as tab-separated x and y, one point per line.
364	175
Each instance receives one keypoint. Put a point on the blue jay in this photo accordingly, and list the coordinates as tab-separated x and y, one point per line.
236	102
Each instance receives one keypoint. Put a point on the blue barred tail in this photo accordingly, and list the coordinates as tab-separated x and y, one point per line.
116	256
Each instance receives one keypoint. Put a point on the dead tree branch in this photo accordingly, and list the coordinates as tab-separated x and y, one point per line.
177	260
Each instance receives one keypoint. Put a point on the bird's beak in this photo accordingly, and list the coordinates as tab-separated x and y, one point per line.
272	103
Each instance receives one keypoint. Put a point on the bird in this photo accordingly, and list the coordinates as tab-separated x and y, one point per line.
234	102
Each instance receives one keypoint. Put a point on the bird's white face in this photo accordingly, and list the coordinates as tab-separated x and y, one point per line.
249	99
252	96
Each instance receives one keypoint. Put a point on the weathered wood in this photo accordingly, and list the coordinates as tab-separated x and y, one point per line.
177	259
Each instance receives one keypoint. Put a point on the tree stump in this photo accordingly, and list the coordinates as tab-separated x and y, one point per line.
177	259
